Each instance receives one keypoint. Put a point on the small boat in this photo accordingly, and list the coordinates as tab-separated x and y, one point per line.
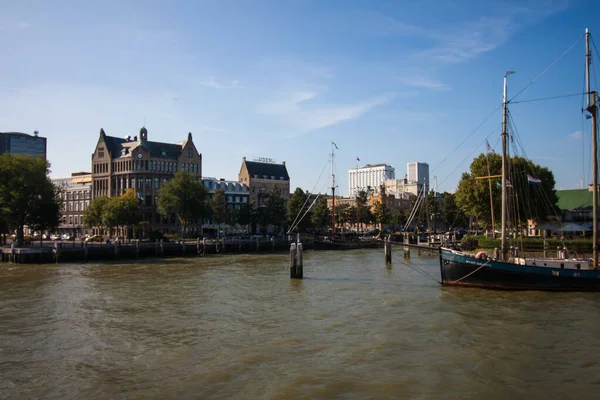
513	272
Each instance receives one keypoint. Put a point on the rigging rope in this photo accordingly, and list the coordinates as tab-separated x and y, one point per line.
547	69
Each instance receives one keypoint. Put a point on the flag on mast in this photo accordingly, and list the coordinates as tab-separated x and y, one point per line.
333	143
357	159
533	180
488	147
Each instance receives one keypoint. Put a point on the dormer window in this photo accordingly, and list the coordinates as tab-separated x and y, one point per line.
124	152
163	152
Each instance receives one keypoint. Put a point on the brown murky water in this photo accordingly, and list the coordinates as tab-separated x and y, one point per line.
238	327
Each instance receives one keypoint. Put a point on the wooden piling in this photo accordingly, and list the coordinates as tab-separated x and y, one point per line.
85	251
299	261
293	261
545	248
388	252
137	248
257	244
162	249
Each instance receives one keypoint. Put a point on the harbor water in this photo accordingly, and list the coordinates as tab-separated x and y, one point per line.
237	326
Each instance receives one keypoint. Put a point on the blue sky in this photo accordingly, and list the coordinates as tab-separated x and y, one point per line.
388	81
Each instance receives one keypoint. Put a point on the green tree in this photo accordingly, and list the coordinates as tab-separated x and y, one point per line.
525	200
27	195
123	211
342	214
381	214
45	215
450	214
360	206
295	210
398	218
93	216
321	215
219	212
245	215
275	210
184	196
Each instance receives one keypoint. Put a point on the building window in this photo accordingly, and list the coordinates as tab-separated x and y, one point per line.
148	183
156	180
190	153
70	220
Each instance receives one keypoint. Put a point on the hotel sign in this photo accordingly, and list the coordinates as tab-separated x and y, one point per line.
265	160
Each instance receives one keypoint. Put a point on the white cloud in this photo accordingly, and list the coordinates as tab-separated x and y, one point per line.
296	109
14	26
577	135
212	82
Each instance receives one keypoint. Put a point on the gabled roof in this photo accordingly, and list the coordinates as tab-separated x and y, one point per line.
261	169
576	199
115	145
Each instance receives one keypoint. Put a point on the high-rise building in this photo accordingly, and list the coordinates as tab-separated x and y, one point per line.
418	172
119	164
369	177
23	143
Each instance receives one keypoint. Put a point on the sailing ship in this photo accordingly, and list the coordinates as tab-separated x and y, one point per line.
342	241
512	272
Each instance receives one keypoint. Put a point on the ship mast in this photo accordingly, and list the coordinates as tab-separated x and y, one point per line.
504	169
332	194
593	110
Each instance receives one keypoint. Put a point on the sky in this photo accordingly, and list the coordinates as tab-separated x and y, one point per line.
387	81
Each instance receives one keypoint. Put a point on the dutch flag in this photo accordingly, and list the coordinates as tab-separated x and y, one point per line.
533	180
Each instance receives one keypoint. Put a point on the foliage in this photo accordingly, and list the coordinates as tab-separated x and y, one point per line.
533	201
342	213
245	215
468	243
321	215
360	206
111	212
398	218
218	208
276	210
184	196
451	215
381	214
27	195
93	214
295	210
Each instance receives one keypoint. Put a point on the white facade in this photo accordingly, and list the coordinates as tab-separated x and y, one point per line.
369	176
402	188
418	172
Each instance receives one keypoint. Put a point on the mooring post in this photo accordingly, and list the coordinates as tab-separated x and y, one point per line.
388	252
85	251
545	248
293	261
137	248
12	253
558	255
162	249
406	247
156	248
257	244
273	243
299	261
182	247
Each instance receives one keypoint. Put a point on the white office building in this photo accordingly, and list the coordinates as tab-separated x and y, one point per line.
369	177
418	172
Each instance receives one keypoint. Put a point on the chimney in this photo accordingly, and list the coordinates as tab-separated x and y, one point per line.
244	159
283	163
135	138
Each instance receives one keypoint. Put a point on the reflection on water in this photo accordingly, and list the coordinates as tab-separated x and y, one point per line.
237	326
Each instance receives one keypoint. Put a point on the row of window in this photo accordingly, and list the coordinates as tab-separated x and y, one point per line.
75	205
281	178
81	194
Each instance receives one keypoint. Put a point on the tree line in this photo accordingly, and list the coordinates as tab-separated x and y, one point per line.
29	198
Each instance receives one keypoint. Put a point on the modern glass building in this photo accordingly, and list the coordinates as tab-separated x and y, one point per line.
23	143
